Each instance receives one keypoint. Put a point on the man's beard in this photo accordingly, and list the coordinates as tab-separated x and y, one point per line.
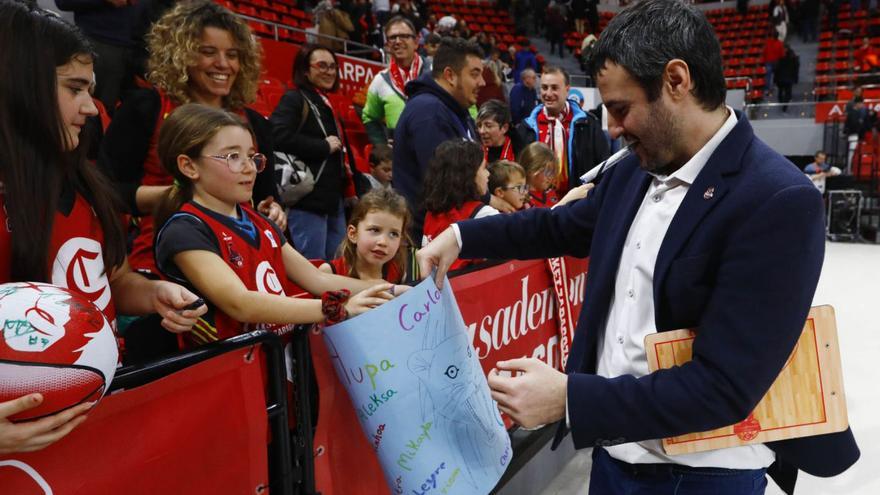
664	134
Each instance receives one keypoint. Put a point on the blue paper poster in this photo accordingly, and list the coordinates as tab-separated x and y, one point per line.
420	394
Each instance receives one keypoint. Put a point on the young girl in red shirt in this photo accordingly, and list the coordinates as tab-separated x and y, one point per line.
375	246
212	240
457	178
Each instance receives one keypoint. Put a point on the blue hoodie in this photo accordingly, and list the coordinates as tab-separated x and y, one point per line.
430	117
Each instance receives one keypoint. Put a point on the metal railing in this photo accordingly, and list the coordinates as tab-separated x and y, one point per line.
852	79
792	109
581	80
352	48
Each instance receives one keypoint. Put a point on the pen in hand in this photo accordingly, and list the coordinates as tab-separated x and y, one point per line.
193	305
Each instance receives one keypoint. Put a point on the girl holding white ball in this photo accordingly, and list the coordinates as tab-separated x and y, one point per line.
58	223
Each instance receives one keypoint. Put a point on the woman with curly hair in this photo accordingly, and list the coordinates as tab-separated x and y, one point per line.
199	52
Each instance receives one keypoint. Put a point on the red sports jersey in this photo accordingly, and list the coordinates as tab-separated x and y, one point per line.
390	272
141	256
76	254
258	264
544	199
436	223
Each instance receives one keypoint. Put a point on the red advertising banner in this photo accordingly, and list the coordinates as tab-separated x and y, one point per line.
200	430
511	309
836	110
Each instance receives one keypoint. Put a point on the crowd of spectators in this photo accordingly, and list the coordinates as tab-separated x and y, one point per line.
443	84
444	143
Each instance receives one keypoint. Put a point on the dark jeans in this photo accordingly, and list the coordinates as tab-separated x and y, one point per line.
612	477
316	235
784	94
556	43
768	77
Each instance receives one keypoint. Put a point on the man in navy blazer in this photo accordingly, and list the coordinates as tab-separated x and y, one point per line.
725	235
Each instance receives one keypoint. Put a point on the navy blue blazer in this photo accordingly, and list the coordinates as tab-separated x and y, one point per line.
740	265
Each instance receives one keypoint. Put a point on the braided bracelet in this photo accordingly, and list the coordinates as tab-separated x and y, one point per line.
333	306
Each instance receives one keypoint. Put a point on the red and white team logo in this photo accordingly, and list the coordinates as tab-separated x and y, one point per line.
79	266
267	279
20	477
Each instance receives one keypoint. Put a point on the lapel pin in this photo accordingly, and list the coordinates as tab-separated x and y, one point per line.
709	193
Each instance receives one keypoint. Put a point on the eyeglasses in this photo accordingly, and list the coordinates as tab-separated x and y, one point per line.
400	37
549	172
521	188
235	161
324	66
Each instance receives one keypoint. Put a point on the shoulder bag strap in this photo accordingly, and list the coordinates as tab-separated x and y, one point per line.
321	125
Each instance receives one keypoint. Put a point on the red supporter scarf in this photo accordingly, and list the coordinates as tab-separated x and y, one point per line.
400	77
546	132
506	151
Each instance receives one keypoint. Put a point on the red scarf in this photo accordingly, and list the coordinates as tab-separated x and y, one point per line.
400	77
506	151
340	133
546	132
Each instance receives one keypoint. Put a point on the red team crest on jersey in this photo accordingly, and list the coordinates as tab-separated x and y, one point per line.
267	280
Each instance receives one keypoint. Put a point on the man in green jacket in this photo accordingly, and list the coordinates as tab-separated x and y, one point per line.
386	96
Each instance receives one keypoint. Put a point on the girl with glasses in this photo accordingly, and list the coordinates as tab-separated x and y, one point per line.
213	241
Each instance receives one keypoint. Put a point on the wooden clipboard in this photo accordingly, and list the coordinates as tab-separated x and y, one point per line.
806	399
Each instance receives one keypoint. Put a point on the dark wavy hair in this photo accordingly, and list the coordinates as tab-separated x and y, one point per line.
449	182
300	71
35	165
645	36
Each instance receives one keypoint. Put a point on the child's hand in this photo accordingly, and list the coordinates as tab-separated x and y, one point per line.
397	290
368	299
170	301
35	435
273	212
579	192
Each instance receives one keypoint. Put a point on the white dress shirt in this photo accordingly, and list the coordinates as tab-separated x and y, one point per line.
631	315
630	318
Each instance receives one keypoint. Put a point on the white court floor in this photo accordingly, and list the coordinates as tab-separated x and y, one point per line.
850	282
